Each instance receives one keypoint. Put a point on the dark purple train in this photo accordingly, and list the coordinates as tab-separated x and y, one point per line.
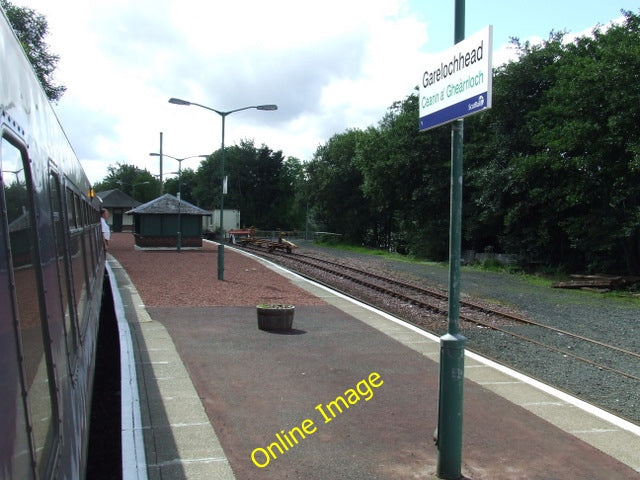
51	276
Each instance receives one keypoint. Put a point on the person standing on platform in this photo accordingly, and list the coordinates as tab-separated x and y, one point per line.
106	231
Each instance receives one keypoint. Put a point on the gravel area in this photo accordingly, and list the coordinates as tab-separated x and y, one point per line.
246	282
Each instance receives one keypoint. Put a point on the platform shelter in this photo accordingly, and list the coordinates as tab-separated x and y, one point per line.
158	223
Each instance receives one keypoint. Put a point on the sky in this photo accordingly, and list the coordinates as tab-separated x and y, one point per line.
329	66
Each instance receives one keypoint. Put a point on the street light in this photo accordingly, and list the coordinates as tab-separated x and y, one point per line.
179	160
178	101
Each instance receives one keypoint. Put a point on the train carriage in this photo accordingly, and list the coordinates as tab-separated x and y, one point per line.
51	276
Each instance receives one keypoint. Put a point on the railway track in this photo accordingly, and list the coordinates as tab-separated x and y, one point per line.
600	355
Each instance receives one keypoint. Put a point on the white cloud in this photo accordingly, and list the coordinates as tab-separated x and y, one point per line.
121	61
329	66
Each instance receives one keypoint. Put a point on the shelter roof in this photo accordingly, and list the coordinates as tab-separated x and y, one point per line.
168	204
117	199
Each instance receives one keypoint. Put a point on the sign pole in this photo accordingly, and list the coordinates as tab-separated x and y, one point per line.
450	407
454	85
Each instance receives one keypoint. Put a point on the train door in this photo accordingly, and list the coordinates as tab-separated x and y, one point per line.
15	451
27	373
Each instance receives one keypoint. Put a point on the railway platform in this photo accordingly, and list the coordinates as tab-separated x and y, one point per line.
350	393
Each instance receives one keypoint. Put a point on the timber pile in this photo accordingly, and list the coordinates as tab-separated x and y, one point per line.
598	283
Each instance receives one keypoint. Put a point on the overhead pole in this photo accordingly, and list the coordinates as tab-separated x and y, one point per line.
452	344
161	184
222	192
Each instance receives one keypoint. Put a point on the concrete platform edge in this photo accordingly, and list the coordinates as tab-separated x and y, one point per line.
168	435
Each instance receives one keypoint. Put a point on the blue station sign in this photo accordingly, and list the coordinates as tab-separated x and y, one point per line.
457	83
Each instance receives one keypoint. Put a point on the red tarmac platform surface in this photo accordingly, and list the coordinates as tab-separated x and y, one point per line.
277	394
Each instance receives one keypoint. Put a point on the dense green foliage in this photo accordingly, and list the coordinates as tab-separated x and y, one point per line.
554	166
31	28
261	184
551	171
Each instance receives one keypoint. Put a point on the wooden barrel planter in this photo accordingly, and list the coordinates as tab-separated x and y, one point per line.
275	316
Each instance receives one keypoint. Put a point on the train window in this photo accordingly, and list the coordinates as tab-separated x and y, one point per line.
88	264
78	211
76	251
95	251
81	212
85	212
64	274
71	210
38	375
91	247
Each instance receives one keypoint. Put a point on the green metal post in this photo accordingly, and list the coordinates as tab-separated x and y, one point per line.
452	344
161	184
221	246
450	406
179	245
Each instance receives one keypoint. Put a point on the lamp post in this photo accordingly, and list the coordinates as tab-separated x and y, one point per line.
178	101
179	160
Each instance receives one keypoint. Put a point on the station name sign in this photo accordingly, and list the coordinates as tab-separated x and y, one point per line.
457	83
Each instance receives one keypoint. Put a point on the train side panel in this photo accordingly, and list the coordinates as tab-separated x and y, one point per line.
51	275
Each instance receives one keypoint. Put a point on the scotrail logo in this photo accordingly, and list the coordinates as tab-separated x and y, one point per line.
477	104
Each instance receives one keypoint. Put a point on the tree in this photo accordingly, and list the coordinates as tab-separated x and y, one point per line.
259	184
292	204
259	181
185	184
31	29
334	186
406	179
135	182
498	211
589	134
554	166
